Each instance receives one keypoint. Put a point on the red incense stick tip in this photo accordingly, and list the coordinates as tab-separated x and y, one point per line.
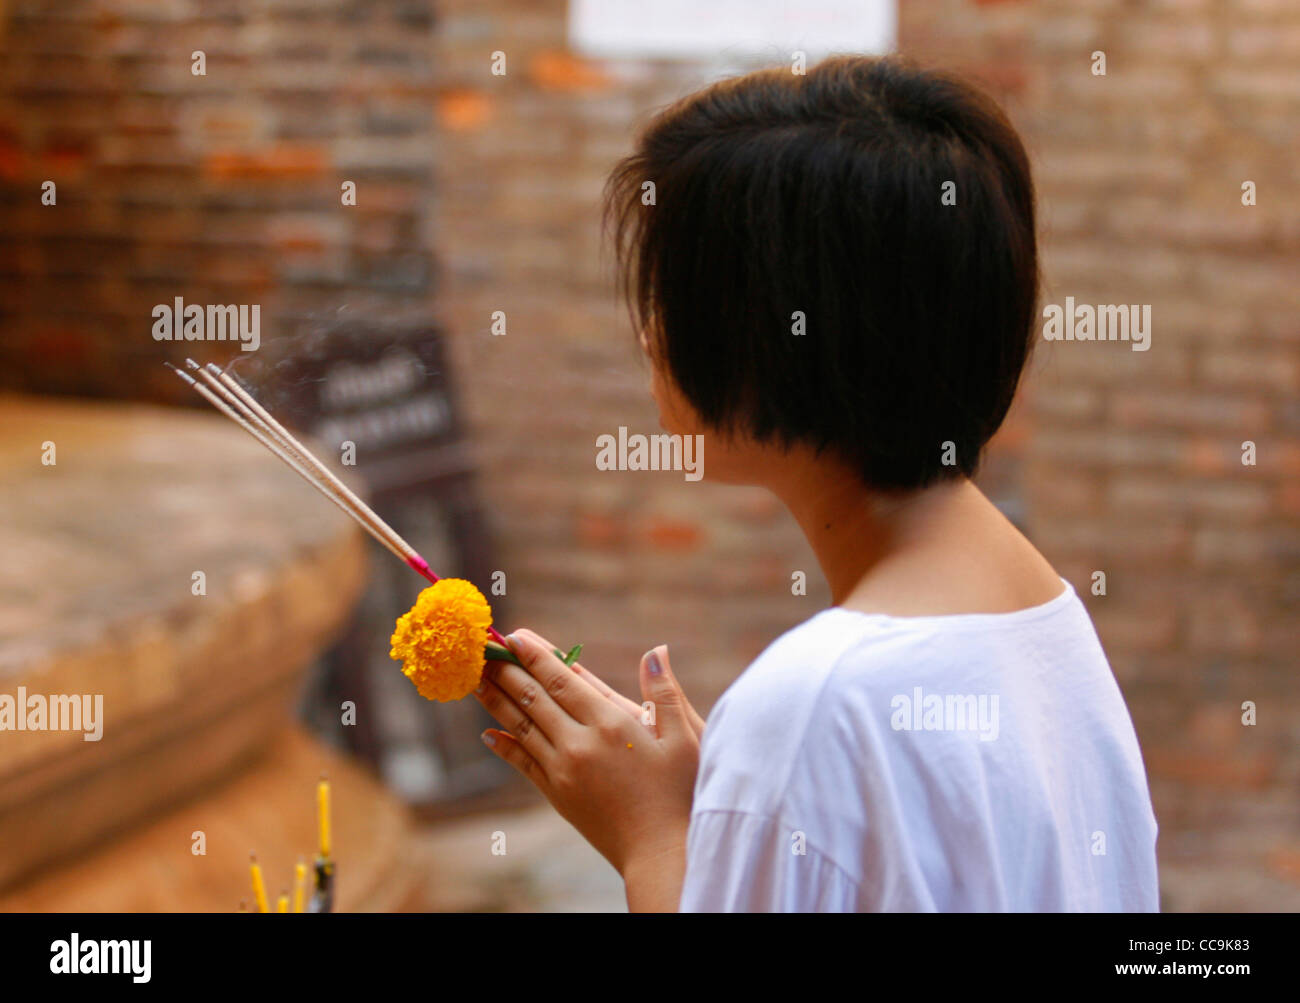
422	566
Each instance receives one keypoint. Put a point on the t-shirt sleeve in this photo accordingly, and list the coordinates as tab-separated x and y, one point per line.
739	862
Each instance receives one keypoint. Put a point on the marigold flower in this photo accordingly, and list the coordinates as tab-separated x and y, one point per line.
441	641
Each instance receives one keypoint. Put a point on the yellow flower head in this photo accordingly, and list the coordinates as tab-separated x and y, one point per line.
441	641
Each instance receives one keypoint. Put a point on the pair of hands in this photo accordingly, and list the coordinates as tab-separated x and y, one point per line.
622	773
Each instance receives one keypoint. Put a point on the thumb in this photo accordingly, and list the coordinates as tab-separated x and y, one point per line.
659	688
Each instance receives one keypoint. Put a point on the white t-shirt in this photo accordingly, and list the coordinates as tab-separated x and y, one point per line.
981	762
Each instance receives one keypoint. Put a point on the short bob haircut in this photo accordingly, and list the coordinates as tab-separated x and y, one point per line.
844	258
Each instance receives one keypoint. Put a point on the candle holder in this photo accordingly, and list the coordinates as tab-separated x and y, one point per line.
322	899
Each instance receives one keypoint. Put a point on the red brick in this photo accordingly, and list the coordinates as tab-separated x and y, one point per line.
673	534
463	109
557	70
276	163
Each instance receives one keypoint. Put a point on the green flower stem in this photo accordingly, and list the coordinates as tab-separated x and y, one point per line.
496	653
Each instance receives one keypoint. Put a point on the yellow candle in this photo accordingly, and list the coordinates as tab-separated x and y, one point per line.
323	814
299	885
282	904
259	887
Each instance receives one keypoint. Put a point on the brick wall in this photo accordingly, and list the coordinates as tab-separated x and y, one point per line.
1135	465
219	188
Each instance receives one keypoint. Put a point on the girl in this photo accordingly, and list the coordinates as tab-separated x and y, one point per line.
836	286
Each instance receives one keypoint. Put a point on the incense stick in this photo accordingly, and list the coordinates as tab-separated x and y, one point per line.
280	452
232	400
249	405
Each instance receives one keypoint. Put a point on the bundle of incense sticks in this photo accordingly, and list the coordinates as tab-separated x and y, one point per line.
225	393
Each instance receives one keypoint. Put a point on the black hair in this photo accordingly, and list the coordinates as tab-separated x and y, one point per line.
777	196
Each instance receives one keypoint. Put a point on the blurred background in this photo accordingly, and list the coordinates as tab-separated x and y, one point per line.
409	191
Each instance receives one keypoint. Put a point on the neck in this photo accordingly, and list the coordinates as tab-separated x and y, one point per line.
854	530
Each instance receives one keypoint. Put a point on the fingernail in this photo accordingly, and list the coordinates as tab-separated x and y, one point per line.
513	640
652	662
488	738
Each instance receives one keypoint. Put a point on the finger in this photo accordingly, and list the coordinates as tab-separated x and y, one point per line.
659	686
506	747
527	694
696	722
608	692
568	689
521	727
